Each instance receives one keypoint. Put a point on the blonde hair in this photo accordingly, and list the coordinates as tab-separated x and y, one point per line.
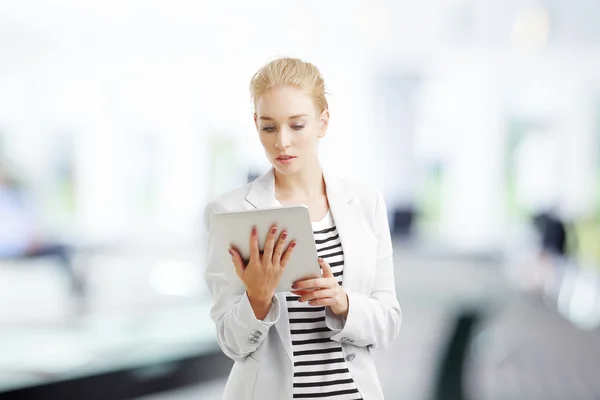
293	72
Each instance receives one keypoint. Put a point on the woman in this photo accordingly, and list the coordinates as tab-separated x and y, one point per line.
304	344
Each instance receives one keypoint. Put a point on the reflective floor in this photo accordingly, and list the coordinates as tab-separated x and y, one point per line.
522	349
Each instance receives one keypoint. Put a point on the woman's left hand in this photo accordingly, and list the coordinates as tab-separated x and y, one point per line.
325	291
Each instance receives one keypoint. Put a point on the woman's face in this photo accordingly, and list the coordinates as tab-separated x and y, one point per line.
289	126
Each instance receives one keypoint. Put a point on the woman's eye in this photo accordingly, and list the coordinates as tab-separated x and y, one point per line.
268	128
297	127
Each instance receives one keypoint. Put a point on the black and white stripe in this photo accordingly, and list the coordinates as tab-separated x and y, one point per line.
320	371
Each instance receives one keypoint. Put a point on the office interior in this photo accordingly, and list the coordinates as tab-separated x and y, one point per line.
479	121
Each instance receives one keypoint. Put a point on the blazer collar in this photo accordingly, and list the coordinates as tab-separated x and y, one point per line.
262	191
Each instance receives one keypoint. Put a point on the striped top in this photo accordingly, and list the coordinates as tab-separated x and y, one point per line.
320	371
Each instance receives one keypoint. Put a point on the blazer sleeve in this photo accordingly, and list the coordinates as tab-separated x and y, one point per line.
374	320
239	332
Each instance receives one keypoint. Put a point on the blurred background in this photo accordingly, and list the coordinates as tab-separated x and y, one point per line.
120	120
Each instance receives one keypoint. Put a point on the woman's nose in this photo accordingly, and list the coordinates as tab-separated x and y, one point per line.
283	139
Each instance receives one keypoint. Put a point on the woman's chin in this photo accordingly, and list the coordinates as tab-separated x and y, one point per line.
285	169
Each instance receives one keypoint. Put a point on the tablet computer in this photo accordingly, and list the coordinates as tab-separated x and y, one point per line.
234	228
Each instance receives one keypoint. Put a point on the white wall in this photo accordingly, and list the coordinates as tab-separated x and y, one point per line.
110	72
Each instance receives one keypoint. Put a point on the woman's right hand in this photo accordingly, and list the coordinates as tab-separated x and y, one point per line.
263	271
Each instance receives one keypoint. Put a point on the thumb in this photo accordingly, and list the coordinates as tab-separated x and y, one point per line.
237	262
326	268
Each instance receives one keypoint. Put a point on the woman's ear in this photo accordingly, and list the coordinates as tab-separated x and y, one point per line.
323	123
256	121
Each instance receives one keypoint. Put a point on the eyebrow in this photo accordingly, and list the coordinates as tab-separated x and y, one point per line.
291	117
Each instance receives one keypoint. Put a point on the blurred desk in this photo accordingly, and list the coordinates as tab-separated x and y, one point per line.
111	357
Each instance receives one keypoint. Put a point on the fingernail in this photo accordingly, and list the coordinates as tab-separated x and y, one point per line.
294	286
253	231
321	260
293	244
284	235
274	230
231	252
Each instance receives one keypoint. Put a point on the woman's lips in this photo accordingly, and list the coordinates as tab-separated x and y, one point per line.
285	159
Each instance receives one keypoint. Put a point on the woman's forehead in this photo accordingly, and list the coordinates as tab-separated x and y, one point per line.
285	103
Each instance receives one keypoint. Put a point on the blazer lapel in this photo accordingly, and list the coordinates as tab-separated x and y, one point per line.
346	216
262	191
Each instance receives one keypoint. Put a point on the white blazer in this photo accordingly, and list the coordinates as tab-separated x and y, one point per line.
262	350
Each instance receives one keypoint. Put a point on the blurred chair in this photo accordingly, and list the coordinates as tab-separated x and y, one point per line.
449	381
557	247
403	222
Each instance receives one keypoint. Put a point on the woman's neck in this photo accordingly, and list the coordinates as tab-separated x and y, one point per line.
307	183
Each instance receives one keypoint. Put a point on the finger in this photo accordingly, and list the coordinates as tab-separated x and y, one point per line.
300	292
278	252
270	242
314	283
317	294
237	262
325	301
326	268
254	251
288	254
